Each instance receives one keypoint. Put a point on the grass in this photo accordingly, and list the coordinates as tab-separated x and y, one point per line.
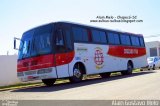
137	70
58	81
19	85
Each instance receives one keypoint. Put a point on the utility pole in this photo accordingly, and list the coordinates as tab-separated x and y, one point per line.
7	53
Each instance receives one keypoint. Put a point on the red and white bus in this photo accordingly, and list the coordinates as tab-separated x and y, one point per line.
69	50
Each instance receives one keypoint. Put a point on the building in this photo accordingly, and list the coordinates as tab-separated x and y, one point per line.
153	48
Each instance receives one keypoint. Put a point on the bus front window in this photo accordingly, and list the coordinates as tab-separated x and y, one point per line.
36	42
25	48
42	44
25	45
42	40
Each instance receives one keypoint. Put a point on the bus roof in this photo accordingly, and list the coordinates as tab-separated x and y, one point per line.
79	24
83	25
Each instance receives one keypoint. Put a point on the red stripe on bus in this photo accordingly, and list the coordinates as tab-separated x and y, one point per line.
126	51
36	63
44	61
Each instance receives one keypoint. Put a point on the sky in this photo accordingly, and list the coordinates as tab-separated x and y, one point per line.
18	16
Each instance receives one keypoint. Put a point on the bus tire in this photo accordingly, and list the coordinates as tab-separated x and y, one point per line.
129	69
105	75
48	82
77	74
153	67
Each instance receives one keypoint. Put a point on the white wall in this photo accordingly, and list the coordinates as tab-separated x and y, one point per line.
8	67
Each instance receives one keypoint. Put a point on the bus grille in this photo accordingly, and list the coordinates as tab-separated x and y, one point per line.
46	70
30	72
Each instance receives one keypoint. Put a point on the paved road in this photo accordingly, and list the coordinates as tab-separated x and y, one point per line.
144	85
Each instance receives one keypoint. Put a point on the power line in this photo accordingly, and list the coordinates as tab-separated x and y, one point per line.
157	35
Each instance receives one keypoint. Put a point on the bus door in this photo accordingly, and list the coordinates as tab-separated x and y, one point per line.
63	55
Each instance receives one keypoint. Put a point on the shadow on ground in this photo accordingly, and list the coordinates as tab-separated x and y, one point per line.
68	85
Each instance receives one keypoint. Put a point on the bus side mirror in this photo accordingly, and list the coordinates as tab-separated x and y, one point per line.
15	43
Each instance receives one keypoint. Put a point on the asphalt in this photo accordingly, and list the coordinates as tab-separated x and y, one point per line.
138	86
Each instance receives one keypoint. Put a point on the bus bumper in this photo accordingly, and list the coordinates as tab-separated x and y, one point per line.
39	74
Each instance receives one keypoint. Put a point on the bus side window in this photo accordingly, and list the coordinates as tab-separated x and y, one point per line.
68	38
113	38
80	34
60	46
141	41
135	41
125	39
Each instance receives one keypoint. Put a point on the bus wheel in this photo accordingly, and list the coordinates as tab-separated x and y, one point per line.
77	75
105	75
129	69
48	82
153	67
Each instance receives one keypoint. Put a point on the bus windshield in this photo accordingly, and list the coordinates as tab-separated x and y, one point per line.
36	42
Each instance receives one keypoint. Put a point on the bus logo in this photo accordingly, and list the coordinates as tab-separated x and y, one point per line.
99	58
130	51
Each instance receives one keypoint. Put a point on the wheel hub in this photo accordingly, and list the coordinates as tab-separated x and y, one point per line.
129	68
77	73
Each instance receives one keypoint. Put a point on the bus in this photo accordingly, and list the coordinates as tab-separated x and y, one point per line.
70	50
